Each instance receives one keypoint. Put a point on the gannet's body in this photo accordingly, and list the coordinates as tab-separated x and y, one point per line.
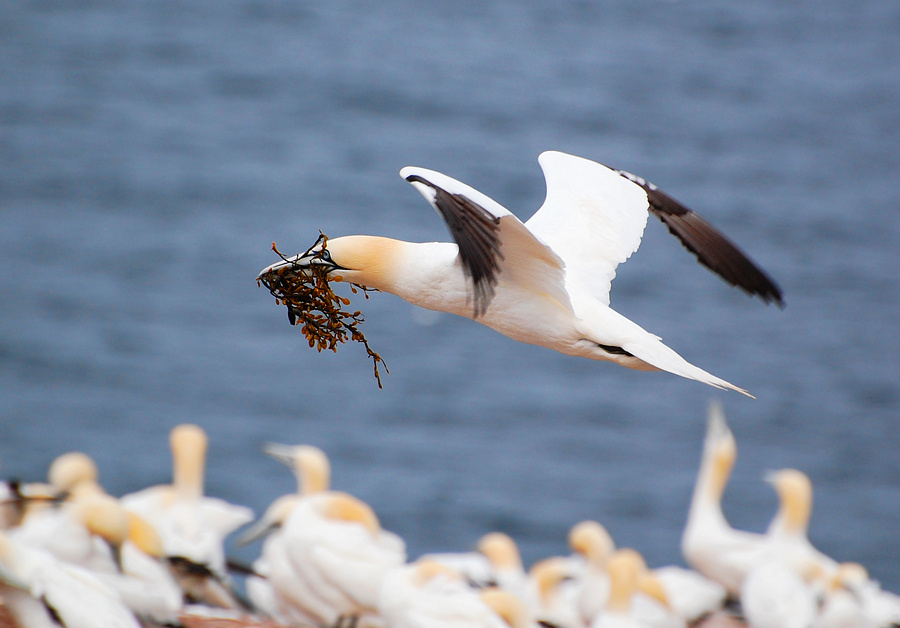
545	282
591	540
275	574
426	594
709	543
191	525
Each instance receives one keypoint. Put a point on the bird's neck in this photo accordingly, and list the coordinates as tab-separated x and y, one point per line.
425	274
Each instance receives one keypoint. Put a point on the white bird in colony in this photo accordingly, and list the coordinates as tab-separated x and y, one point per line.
591	540
787	534
192	526
42	591
426	594
690	595
513	610
556	581
503	554
473	567
782	589
335	556
547	281
496	562
630	588
878	607
775	595
75	533
841	606
93	531
709	544
313	472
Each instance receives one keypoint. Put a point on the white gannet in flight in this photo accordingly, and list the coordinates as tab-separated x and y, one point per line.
546	281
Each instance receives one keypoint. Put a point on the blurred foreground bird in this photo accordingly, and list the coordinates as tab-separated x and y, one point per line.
547	281
191	525
709	543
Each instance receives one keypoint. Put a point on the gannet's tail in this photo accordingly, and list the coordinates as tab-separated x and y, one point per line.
652	351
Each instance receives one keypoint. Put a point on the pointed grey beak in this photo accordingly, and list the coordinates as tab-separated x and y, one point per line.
258	530
282	453
298	262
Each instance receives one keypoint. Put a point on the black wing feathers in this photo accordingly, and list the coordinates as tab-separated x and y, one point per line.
477	234
707	243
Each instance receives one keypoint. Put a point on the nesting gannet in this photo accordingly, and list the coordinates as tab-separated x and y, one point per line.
709	543
473	566
841	606
513	610
192	526
628	579
787	534
691	595
547	281
882	608
427	594
775	595
334	557
313	473
41	591
558	589
591	540
73	533
506	563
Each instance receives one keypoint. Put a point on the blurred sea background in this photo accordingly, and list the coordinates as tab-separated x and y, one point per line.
151	151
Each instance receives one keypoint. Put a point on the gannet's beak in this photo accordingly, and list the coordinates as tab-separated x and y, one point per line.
282	453
299	263
258	530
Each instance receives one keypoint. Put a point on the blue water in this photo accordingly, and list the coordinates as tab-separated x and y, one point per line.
150	152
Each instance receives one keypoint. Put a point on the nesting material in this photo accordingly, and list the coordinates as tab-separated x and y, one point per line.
312	304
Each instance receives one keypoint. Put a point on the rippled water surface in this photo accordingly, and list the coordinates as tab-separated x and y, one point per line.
150	152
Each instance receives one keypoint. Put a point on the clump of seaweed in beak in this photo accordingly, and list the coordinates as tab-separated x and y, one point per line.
311	303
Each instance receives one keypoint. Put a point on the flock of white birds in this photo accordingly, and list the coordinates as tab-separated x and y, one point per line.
73	555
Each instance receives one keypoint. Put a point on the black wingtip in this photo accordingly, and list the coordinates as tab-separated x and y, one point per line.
709	245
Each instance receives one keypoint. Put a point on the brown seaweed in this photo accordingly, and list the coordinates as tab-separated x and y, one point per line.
311	303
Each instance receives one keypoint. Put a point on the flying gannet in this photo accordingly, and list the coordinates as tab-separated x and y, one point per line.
546	281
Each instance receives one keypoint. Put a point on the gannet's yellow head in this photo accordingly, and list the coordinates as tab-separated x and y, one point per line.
625	569
188	443
591	540
370	261
508	607
851	576
795	494
309	464
720	450
548	574
501	551
74	472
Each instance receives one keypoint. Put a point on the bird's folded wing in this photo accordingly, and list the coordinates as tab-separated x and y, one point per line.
491	240
593	218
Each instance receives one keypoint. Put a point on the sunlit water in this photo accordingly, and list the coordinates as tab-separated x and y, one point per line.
150	152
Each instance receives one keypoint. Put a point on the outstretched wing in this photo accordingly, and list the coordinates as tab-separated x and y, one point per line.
593	218
490	238
711	248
